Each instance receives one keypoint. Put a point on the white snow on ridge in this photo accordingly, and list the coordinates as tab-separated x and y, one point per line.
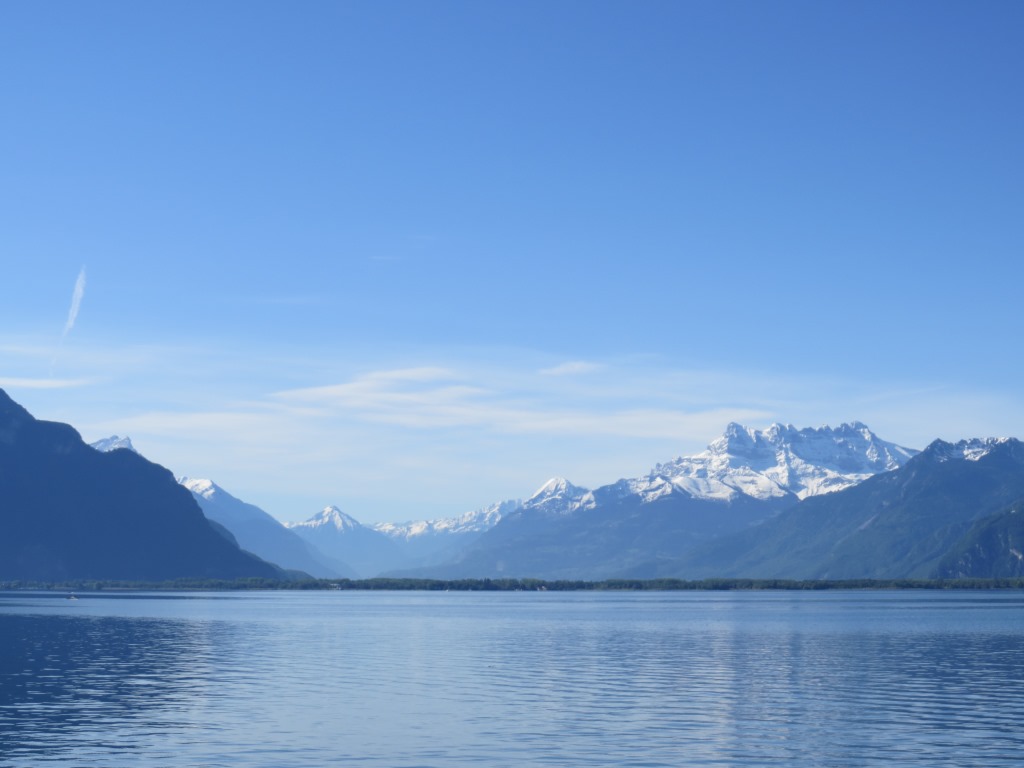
782	461
113	443
971	450
559	497
477	521
328	516
205	488
777	462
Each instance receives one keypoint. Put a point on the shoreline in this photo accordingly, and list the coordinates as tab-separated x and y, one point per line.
512	585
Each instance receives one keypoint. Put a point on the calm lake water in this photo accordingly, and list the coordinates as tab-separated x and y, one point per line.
512	679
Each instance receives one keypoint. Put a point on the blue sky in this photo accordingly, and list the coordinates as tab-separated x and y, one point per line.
412	258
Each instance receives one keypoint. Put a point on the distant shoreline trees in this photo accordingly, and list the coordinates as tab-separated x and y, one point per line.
514	585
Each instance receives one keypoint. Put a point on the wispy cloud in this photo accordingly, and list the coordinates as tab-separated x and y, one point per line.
284	300
572	368
16	383
76	302
437	398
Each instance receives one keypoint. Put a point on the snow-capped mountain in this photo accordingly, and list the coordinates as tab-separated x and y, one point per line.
328	517
778	462
476	521
969	450
344	538
559	497
113	443
200	487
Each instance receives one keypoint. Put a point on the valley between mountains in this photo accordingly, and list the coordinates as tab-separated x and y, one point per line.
785	503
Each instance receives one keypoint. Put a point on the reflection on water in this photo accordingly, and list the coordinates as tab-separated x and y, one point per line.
71	684
424	679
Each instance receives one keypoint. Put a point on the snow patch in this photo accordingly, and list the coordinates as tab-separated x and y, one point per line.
329	517
114	443
969	450
205	488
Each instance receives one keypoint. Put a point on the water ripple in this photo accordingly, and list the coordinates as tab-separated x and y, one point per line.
411	679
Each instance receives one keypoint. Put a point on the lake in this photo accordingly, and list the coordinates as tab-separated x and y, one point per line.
402	679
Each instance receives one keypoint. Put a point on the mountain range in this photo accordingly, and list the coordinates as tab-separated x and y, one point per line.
565	531
385	547
743	478
779	503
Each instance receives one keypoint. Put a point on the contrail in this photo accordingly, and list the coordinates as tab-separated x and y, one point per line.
76	302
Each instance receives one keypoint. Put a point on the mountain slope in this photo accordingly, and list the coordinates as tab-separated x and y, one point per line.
993	548
342	537
581	534
261	534
68	511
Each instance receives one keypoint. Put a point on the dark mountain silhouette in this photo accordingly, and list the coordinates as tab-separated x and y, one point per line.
68	511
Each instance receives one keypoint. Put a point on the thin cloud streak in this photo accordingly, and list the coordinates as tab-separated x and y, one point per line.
76	302
409	398
572	368
16	383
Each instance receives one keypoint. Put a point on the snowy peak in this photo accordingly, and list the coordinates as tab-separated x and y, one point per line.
477	521
113	443
329	517
555	488
559	497
740	441
965	450
200	487
777	462
851	447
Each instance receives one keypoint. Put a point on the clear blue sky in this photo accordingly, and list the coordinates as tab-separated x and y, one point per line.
412	258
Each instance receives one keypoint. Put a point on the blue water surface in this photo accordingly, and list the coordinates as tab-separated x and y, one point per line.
402	679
